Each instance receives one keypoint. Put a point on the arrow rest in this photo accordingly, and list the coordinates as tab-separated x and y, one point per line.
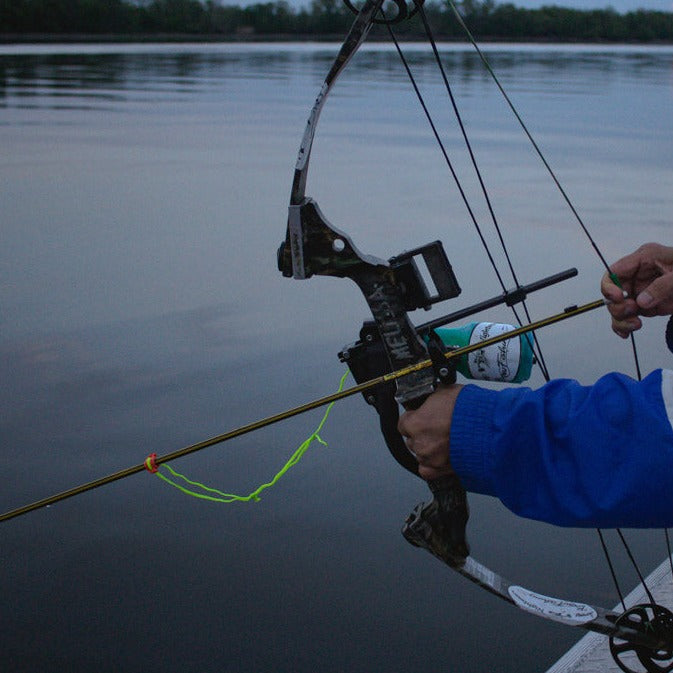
445	370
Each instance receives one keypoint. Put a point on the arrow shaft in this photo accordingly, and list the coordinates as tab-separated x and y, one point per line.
295	411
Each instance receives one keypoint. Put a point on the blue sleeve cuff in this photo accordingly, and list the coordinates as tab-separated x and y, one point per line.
471	439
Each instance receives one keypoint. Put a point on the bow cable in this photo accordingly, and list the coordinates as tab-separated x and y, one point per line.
546	164
536	346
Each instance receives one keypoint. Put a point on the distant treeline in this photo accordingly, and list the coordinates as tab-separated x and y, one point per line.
322	18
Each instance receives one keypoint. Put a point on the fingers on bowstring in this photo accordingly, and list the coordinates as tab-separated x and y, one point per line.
625	317
624	328
610	290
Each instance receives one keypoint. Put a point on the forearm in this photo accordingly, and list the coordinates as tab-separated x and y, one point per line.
568	454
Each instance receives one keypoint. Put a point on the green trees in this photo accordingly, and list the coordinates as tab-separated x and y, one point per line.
558	23
486	19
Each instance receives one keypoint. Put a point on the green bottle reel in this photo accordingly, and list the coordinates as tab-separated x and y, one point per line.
509	361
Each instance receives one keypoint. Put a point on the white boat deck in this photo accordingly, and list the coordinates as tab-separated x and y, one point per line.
592	653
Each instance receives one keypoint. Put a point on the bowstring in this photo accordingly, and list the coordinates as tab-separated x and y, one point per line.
543	159
592	241
475	222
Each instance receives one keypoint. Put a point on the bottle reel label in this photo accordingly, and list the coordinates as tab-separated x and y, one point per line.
498	362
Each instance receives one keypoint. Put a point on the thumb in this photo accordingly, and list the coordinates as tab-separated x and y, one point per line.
656	294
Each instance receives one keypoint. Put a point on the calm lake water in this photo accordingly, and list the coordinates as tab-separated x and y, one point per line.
144	193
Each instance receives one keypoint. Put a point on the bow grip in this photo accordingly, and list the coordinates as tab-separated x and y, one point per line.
440	526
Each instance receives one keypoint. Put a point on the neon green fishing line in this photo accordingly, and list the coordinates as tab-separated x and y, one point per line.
214	495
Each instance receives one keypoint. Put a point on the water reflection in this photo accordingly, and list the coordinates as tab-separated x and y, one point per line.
124	74
144	191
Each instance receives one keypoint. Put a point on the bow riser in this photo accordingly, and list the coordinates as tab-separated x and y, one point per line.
318	248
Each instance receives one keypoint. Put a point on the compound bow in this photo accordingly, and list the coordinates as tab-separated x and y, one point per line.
391	342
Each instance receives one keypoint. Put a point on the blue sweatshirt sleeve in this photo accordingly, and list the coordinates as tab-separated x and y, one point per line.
571	455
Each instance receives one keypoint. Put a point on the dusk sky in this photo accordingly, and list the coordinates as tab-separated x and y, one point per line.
619	5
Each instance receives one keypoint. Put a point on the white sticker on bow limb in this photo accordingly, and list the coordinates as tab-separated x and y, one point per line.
566	612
